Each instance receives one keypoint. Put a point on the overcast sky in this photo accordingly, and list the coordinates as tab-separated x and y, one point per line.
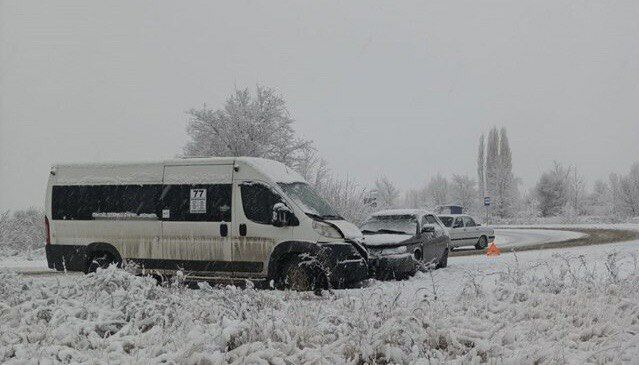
402	89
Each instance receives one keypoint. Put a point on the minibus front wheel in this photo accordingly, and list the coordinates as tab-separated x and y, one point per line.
302	274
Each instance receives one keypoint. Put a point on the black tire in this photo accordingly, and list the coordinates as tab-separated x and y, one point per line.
405	275
482	243
443	262
100	260
301	275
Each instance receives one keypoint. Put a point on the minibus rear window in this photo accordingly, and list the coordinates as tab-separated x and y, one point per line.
89	202
212	202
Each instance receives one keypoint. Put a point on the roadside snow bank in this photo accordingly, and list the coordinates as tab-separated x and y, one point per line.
566	309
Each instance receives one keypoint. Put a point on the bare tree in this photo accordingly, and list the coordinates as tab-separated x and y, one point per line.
248	125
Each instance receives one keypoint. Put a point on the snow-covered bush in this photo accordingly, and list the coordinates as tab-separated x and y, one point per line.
21	232
565	309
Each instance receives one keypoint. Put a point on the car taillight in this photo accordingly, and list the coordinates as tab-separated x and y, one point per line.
47	231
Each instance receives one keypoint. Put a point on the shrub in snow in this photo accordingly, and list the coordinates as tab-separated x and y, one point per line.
566	309
21	232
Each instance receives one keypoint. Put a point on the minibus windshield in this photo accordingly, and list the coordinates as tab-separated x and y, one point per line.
311	203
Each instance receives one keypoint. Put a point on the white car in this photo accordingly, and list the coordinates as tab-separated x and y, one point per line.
464	231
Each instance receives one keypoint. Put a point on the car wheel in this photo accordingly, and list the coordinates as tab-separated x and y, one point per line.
443	262
404	276
299	275
482	243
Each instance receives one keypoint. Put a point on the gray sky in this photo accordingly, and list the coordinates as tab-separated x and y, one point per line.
402	89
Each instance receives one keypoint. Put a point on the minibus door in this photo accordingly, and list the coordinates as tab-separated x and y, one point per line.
197	215
253	226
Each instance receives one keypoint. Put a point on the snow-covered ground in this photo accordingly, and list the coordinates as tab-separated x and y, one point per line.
24	264
573	305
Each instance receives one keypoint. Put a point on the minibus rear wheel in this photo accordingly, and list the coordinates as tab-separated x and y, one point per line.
100	260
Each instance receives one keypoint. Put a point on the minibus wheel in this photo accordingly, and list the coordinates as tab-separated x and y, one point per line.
100	260
301	275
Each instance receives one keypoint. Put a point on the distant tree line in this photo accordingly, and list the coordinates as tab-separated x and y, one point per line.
259	124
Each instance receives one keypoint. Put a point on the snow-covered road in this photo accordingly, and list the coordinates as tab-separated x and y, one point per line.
523	237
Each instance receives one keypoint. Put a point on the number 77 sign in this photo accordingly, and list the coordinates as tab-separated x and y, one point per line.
198	201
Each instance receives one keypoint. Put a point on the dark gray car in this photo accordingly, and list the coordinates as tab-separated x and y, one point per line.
400	242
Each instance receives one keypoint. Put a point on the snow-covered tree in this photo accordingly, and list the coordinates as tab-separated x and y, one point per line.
599	201
576	192
495	173
248	125
481	165
21	231
386	193
552	191
463	191
492	166
415	198
625	192
353	201
505	194
437	191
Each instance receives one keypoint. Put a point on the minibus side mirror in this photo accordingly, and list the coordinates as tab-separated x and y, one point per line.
282	216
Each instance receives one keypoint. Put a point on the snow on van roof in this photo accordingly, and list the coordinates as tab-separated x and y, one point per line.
401	212
152	171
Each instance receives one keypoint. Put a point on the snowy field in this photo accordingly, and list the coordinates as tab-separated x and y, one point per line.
576	305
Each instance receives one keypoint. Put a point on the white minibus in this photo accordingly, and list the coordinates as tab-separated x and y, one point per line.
211	218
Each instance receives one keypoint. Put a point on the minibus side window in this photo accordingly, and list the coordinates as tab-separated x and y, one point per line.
197	203
258	201
114	202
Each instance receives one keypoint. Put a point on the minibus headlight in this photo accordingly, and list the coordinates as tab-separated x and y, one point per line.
326	230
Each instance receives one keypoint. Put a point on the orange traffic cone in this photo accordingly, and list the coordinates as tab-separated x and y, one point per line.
493	250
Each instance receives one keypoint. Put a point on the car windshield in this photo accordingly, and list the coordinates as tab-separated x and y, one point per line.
311	203
400	224
448	221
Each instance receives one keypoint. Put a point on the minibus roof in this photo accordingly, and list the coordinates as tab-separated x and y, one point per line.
274	170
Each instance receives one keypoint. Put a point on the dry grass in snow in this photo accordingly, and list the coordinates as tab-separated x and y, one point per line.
561	310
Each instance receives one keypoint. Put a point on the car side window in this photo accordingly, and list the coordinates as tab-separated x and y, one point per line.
431	221
459	223
258	201
469	222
